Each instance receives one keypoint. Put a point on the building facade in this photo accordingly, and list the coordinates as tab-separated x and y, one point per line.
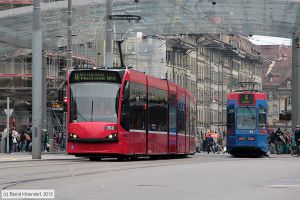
208	65
277	79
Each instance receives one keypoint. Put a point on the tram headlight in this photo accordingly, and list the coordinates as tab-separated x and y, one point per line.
72	135
112	136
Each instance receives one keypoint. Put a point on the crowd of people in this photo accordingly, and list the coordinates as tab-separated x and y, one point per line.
210	141
283	141
21	140
280	142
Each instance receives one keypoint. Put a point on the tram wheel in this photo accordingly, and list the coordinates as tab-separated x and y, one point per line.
95	158
134	157
122	158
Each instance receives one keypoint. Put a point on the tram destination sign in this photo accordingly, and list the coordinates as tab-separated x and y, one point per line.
93	75
246	98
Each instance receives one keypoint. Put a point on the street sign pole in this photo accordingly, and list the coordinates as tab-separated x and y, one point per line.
7	126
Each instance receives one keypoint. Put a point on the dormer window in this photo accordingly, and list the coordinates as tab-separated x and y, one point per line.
271	78
288	84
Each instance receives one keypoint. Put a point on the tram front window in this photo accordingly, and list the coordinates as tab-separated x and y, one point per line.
246	118
94	102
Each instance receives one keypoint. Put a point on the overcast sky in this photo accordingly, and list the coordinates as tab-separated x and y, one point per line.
265	40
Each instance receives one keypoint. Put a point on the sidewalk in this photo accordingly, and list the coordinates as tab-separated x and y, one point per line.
26	156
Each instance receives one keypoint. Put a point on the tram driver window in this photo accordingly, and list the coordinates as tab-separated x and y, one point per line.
125	107
262	118
231	118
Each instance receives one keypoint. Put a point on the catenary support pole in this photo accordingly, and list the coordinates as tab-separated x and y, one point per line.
69	36
108	36
44	93
36	81
294	82
69	57
7	126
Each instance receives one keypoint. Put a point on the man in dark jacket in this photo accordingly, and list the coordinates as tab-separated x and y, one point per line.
297	137
279	140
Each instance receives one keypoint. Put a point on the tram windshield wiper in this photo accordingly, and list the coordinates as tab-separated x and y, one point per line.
252	114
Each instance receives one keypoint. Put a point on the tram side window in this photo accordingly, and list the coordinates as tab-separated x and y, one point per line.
172	113
193	119
231	117
181	113
187	117
137	106
125	107
262	118
158	110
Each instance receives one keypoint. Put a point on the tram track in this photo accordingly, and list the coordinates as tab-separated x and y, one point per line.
61	174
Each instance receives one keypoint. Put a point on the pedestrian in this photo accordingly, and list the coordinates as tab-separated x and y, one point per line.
197	141
22	142
63	142
15	139
4	137
279	141
220	142
10	141
210	144
46	142
28	140
297	138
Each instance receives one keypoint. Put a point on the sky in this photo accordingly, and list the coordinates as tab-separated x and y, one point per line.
266	40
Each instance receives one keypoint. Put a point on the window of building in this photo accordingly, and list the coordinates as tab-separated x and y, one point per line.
275	109
288	84
270	95
271	78
289	101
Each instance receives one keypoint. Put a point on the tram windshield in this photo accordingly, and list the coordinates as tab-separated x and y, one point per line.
246	118
94	102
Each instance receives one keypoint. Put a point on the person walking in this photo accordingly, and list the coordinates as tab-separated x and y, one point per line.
220	142
15	139
10	141
279	140
297	138
28	140
46	142
210	144
22	142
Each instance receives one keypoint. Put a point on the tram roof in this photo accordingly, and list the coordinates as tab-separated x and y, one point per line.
279	18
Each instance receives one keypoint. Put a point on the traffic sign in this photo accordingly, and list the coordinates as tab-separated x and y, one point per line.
10	111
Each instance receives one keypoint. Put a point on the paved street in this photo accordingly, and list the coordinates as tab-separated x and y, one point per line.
202	176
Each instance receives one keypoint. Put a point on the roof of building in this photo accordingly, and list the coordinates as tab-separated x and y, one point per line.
281	69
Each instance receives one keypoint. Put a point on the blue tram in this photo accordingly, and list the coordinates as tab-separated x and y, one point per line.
247	121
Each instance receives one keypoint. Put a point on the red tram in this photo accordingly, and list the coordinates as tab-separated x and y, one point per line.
124	113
